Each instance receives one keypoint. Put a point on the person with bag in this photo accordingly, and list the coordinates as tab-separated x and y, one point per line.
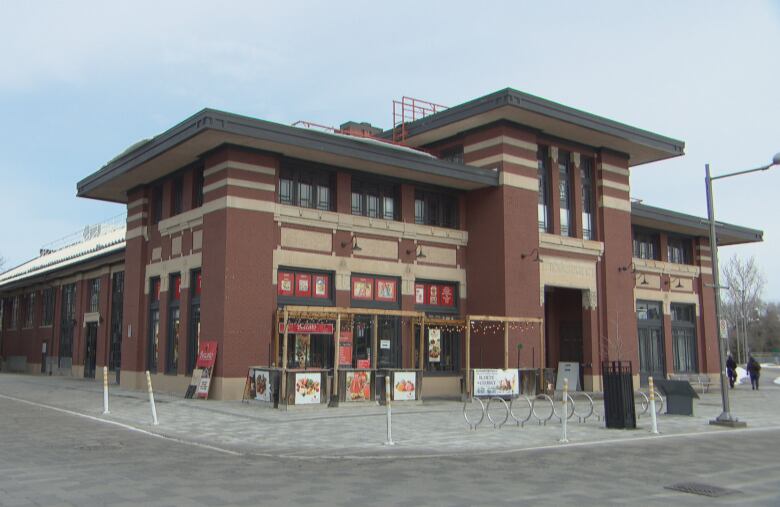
731	370
754	370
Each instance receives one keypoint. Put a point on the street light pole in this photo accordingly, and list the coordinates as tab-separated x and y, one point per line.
725	418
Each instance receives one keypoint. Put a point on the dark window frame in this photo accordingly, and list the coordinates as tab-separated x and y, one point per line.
153	342
177	195
588	198
282	301
678	249
29	310
94	295
566	203
683	317
362	190
47	312
436	208
543	175
197	187
193	334
319	184
645	244
173	336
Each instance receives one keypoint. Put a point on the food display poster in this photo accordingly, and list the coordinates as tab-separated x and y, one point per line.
358	386
404	386
362	288
302	345
263	385
345	348
379	289
284	283
434	294
434	345
493	382
307	388
207	356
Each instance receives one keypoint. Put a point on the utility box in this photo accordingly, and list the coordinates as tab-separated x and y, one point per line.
679	396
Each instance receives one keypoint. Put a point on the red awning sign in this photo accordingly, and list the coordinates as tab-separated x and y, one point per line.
306	328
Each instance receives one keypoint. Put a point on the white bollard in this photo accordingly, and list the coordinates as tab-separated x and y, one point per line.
389	412
654	429
105	391
564	437
151	398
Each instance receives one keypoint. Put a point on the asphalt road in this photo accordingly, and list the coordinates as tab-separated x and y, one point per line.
49	458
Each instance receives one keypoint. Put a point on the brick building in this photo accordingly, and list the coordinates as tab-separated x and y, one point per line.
507	205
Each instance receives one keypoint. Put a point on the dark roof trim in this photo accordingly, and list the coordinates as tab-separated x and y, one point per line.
532	103
727	233
210	119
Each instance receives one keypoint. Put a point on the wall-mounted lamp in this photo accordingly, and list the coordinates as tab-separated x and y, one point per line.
630	267
679	283
418	253
644	281
355	247
534	254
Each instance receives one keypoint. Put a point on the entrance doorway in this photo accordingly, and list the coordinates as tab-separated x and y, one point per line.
563	326
90	349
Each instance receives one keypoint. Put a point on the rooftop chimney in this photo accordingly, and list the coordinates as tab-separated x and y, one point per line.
363	129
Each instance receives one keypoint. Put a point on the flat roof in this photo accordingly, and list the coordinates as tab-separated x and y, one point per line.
547	117
184	143
691	225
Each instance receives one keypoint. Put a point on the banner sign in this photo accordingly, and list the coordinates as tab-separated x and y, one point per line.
262	385
405	388
358	386
434	345
207	357
307	388
306	328
490	382
345	348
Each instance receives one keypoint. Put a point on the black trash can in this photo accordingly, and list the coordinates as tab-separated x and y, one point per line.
619	411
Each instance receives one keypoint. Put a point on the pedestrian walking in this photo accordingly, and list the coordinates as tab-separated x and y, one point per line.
754	370
731	369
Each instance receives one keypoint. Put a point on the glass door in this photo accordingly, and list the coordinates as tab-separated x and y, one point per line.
389	338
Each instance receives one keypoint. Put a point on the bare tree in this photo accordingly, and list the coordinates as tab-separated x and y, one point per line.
743	303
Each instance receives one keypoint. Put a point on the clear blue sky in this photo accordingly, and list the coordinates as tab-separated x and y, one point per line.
81	81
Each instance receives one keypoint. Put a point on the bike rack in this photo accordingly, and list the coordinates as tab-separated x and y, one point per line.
519	422
490	417
583	417
473	423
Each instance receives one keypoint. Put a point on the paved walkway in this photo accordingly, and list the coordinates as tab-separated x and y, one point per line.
432	428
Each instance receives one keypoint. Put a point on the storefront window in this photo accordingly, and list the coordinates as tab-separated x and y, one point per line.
295	286
194	337
154	325
174	324
684	338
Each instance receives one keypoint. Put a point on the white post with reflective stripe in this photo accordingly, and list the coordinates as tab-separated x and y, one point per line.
105	391
564	437
151	398
389	412
654	429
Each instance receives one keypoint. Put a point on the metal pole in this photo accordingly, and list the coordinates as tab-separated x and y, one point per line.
725	418
105	391
506	345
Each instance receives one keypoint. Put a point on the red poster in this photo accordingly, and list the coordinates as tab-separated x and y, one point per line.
284	284
207	356
156	289
345	349
364	364
386	289
321	286
198	279
419	294
302	285
362	288
433	294
447	295
306	328
176	289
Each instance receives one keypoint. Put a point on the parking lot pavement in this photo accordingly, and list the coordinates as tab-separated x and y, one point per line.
434	428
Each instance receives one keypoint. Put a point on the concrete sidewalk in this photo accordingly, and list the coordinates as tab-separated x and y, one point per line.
431	428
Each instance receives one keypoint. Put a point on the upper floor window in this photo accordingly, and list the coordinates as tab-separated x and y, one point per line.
543	172
157	204
648	310
374	200
177	196
564	189
307	189
47	316
29	316
197	188
438	209
586	177
94	295
14	312
453	155
646	245
678	250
